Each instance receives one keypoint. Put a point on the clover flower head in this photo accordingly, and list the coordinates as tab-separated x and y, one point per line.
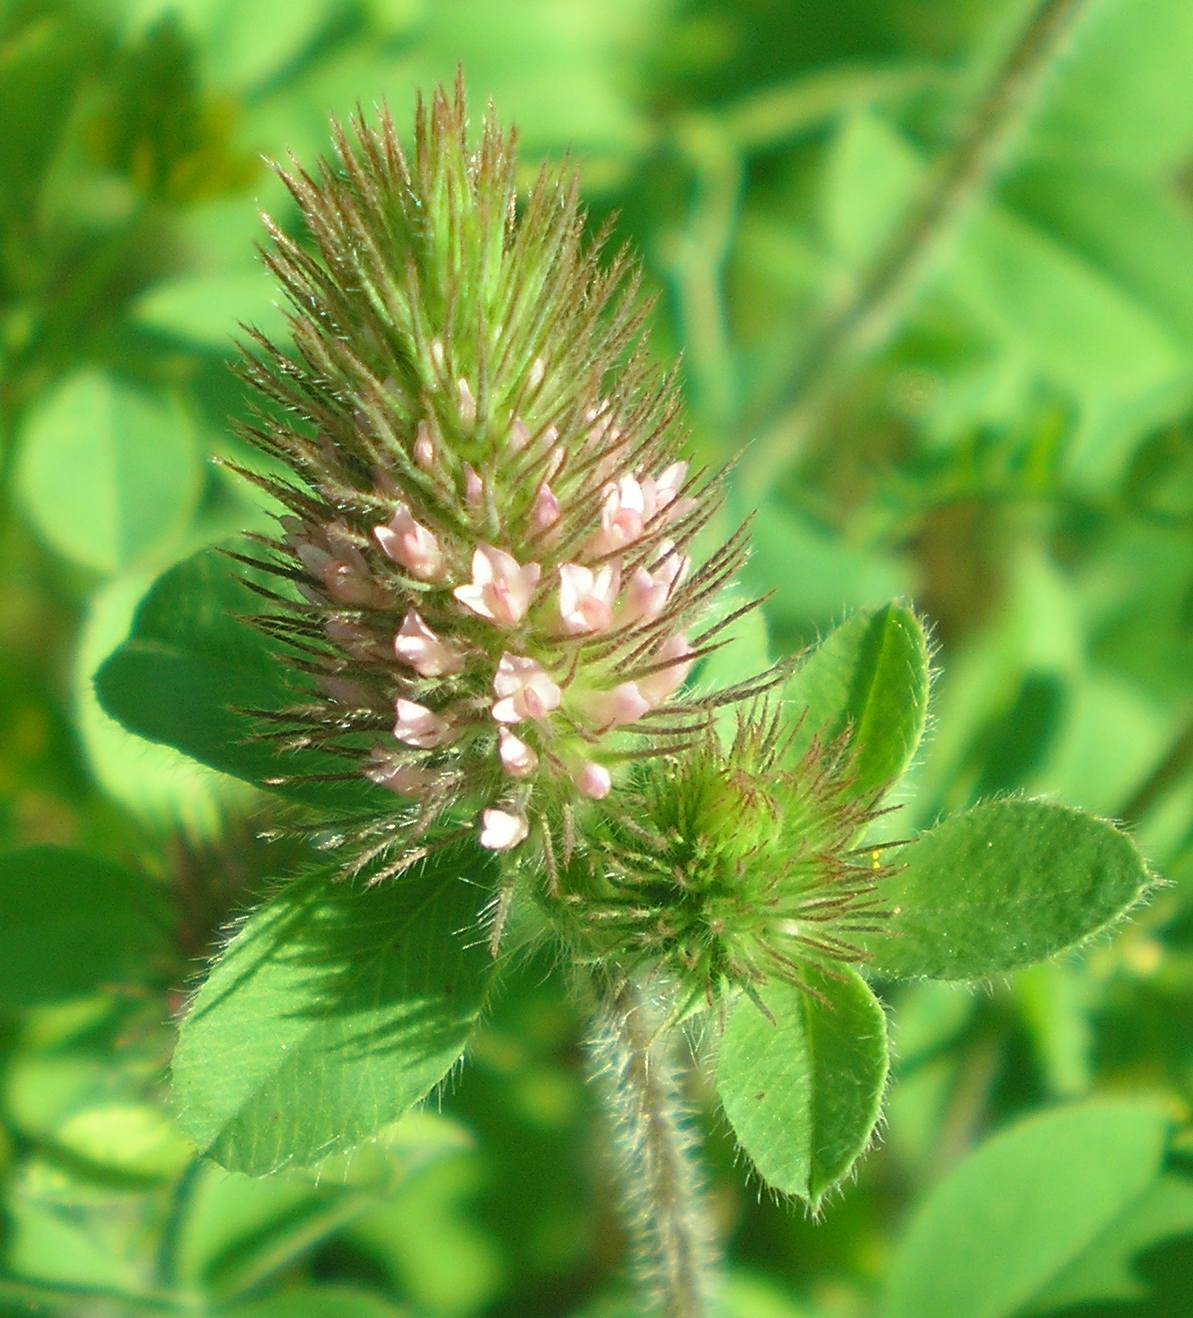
490	526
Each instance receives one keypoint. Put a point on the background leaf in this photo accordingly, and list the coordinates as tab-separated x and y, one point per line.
1009	1219
71	924
332	1011
802	1093
190	664
108	474
1002	885
152	780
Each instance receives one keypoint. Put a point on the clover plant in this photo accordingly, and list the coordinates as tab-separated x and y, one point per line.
490	655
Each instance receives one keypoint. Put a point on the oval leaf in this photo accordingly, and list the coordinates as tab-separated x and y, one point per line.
1003	885
190	666
803	1092
330	1013
1011	1217
71	924
868	677
107	474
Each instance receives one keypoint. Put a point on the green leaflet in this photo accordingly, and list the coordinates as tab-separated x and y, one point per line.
331	1012
869	675
72	925
1002	885
803	1092
1004	1223
190	665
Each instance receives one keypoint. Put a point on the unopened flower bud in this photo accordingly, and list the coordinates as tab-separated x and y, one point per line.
517	758
593	781
418	726
417	645
411	545
501	830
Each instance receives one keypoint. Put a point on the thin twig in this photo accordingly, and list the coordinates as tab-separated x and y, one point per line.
960	176
1172	766
698	266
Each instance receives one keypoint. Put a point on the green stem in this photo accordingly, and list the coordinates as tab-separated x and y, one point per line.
961	175
633	1062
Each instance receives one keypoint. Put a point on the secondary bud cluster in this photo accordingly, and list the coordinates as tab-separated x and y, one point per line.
491	529
730	868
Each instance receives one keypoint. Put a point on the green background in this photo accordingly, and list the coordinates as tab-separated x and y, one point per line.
993	418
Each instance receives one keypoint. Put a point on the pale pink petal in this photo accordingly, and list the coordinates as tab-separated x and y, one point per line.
501	588
411	545
517	758
594	781
424	446
657	686
671	482
524	690
546	509
501	830
622	517
586	597
648	591
624	704
519	435
419	726
417	645
474	487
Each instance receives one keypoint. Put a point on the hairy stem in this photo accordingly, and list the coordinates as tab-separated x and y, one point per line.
633	1062
961	175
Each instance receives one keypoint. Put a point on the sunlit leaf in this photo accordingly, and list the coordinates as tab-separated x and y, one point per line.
155	782
802	1092
331	1012
107	473
207	310
190	666
137	1141
1002	885
868	677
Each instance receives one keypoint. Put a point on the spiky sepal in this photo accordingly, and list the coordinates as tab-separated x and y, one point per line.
722	869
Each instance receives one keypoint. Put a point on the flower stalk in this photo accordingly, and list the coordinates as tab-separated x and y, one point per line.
634	1062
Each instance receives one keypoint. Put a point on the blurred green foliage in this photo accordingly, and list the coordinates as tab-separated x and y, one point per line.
1010	445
